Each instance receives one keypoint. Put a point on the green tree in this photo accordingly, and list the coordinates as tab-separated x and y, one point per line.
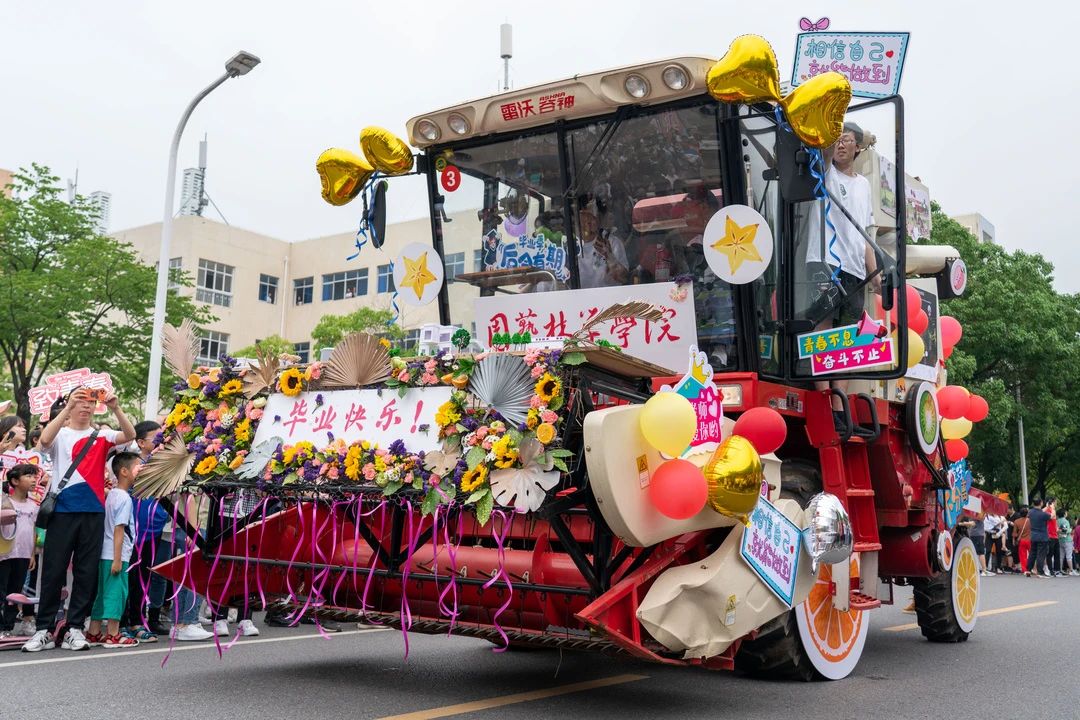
332	328
1019	334
275	344
74	298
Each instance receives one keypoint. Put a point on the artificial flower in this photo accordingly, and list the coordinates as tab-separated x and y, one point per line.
243	430
526	487
447	414
532	419
474	479
233	387
214	374
206	466
237	461
549	416
194	381
259	402
352	463
291	382
505	455
429	379
313	372
547	387
545	433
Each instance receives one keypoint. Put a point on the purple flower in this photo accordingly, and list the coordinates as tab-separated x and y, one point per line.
211	389
200	417
329	437
159	438
424	428
318	400
459	470
179	386
277	418
397	447
470	423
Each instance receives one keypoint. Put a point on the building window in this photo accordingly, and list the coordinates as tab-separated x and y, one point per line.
212	346
341	285
412	337
214	283
267	288
304	290
386	278
478	261
303	350
455	265
176	266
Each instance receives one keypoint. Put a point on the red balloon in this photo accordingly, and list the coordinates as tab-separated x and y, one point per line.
919	322
956	450
951	332
678	489
914	300
978	409
953	402
765	428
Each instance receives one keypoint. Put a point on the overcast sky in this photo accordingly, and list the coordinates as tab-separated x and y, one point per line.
990	90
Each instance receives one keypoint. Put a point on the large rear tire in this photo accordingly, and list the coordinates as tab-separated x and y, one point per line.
947	605
799	645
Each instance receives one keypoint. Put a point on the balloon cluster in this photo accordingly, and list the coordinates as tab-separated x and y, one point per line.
748	74
343	173
959	409
730	482
917	322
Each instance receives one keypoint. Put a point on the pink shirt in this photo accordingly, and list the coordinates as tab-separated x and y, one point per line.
25	513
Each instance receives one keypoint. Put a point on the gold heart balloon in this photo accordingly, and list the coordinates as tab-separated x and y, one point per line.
746	74
816	109
388	153
734	476
343	175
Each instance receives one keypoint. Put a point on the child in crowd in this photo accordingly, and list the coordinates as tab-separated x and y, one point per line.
17	515
116	548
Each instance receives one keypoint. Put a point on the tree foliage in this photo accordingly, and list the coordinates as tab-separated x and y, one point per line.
332	328
275	345
1019	334
72	298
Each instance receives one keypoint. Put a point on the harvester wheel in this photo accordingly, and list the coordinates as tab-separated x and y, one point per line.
776	652
947	605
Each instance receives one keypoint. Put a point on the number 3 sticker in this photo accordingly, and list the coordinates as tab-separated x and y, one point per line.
450	179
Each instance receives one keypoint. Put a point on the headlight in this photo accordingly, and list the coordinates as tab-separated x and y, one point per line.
636	86
675	77
428	130
827	538
731	395
457	123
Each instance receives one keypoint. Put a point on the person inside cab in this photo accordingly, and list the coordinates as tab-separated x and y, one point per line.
601	254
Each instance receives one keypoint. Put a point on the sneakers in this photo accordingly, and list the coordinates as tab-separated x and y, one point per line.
190	633
40	640
27	628
75	640
119	641
221	628
94	640
5	635
248	629
986	573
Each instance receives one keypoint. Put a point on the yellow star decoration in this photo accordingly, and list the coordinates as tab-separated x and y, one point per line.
737	244
417	275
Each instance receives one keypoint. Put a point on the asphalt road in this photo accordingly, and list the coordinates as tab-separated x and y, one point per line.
1021	657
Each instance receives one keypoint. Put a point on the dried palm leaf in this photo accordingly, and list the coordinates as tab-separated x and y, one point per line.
258	458
180	346
262	374
359	359
166	470
503	383
633	309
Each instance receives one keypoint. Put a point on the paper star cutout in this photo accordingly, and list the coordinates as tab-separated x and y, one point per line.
738	244
417	275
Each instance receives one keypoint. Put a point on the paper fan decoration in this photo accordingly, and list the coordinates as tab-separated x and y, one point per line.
635	309
359	359
503	383
526	487
180	347
166	470
262	374
257	459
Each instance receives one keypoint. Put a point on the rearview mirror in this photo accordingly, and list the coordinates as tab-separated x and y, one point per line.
376	214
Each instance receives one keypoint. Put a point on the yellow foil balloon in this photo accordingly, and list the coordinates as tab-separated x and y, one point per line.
343	175
916	348
955	429
816	109
668	422
386	151
746	74
734	475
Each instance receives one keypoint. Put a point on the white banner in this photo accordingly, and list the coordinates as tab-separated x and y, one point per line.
551	316
378	416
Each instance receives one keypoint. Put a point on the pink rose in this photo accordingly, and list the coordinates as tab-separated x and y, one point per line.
408	478
212	416
481	432
430	365
333	473
403	376
472	439
255	414
549	416
537	371
429	379
369	472
315	370
535	402
531	356
488	443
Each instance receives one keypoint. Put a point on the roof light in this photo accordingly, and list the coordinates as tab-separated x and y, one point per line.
428	130
458	123
675	77
636	86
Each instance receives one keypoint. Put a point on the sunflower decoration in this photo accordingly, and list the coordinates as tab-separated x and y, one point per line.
548	387
206	466
505	455
291	382
474	479
232	387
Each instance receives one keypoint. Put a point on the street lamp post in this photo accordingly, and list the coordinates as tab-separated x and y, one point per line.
239	64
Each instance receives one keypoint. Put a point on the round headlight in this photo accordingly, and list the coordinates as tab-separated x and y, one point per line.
828	538
428	130
457	123
675	77
636	86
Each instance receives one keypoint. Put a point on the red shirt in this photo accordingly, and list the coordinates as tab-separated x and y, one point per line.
1051	527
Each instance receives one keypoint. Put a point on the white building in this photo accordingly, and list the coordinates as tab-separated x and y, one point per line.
978	226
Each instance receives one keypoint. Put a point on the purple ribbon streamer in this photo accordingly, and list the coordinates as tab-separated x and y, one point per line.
500	540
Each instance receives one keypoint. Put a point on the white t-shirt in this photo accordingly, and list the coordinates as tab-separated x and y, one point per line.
593	267
85	490
118	512
23	531
854	192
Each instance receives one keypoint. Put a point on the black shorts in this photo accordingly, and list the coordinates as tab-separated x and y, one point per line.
848	307
978	542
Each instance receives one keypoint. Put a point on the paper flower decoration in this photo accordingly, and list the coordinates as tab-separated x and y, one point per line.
526	487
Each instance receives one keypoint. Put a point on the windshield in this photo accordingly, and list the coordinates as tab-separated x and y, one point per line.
629	209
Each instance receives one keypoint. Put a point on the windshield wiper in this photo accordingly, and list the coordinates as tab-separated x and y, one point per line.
597	151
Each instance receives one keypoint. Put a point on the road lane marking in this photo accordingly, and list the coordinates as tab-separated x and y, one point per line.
982	613
448	710
74	657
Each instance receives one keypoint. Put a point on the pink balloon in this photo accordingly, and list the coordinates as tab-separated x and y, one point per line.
678	489
951	332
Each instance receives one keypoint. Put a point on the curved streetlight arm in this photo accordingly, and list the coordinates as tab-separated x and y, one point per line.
153	381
